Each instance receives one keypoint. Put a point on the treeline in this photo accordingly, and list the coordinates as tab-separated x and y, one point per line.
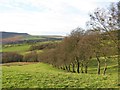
31	56
42	46
72	54
31	41
77	50
11	57
8	57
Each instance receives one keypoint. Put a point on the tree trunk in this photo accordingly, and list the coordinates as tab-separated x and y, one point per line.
78	66
66	67
105	68
98	60
73	67
69	68
82	68
55	66
86	68
63	68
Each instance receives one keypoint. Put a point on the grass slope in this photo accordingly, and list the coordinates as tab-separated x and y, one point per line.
42	75
20	49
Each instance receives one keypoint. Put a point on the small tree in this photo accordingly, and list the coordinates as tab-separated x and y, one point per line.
107	20
31	57
11	57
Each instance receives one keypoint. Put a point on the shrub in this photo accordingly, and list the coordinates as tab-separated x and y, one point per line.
43	46
31	57
11	57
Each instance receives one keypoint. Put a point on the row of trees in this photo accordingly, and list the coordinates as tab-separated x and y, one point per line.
49	45
78	49
81	46
8	57
31	56
11	57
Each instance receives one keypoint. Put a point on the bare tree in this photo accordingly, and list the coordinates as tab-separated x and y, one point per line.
95	47
105	20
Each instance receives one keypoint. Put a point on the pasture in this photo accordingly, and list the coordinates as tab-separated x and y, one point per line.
21	48
16	48
40	75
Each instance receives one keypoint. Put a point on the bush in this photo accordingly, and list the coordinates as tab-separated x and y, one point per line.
43	46
11	57
31	57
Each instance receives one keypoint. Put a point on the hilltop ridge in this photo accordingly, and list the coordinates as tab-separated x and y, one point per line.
12	34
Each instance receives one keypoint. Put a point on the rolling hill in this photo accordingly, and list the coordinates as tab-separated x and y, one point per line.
40	75
12	37
7	37
12	34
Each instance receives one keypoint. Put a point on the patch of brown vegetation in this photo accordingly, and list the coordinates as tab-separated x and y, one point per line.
12	39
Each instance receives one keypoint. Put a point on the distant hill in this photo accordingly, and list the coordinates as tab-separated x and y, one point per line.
12	34
12	37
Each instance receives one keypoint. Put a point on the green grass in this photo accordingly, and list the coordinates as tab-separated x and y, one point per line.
38	51
20	49
110	61
0	77
42	75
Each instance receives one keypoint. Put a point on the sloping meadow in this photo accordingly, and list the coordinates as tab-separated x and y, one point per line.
42	75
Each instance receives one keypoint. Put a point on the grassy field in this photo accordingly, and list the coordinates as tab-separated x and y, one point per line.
40	75
20	49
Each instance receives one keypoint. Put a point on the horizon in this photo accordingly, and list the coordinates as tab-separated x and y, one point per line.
50	17
31	34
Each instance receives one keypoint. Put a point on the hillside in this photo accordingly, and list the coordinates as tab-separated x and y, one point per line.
40	75
7	37
11	34
19	38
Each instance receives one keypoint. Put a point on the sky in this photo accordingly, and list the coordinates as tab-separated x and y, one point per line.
47	17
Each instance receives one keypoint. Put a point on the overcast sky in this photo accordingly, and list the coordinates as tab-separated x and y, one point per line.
46	17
